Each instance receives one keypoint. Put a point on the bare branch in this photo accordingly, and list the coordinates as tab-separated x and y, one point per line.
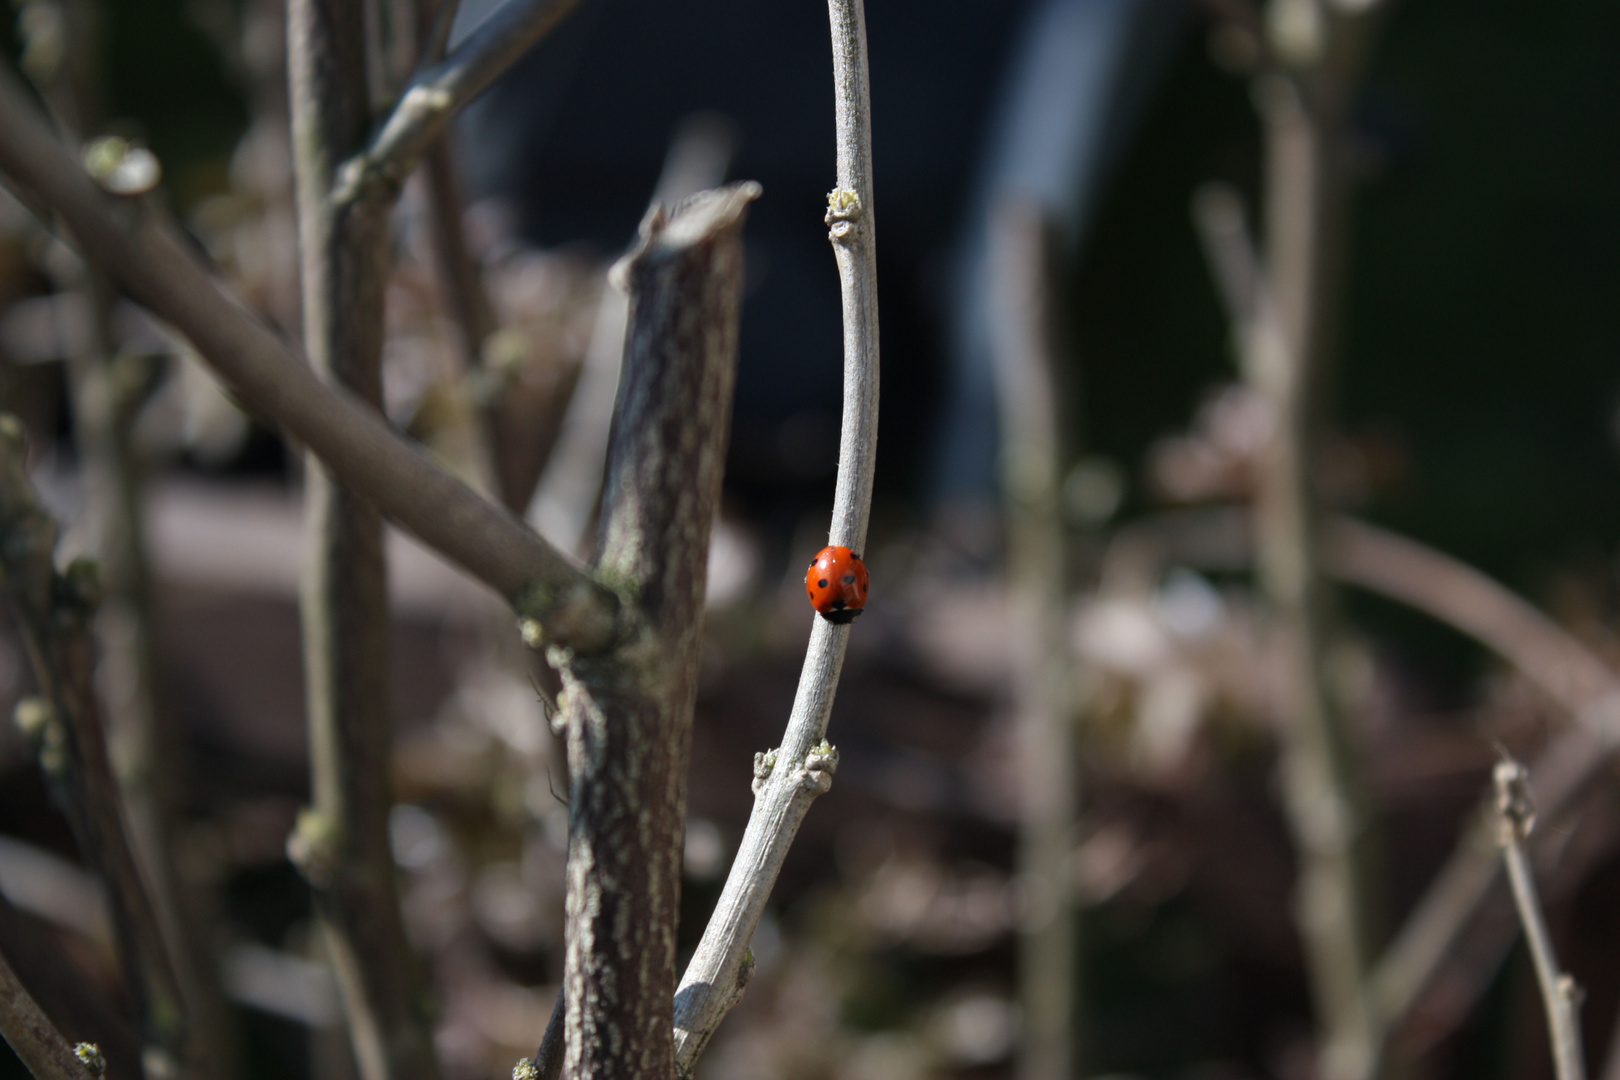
108	389
1031	460
438	93
1430	934
159	269
1516	816
853	231
789	778
1285	361
341	843
1457	594
35	1039
54	611
629	712
63	993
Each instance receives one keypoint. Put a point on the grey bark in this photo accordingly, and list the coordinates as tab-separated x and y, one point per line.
788	779
629	711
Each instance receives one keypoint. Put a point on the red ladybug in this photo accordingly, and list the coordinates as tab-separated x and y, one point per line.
837	584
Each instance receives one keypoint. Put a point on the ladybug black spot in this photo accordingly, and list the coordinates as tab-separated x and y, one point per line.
822	583
849	579
838	605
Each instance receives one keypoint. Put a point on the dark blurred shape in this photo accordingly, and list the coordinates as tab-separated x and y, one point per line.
575	139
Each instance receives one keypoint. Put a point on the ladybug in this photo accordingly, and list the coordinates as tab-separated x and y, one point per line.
836	583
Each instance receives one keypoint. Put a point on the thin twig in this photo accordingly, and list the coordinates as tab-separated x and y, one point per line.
53	609
789	778
1031	460
161	270
35	1039
629	712
1544	652
1516	816
1284	361
437	93
1562	774
477	454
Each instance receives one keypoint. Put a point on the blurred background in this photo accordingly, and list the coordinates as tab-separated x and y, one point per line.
1050	258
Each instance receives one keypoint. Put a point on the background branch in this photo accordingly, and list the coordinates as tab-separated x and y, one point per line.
54	612
108	389
341	843
161	270
1324	801
790	777
1031	464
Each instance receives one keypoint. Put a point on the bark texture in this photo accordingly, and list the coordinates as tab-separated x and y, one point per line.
629	711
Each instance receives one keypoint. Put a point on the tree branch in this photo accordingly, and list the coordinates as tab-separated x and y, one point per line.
54	612
629	712
1516	816
159	269
789	778
1285	361
35	1039
1031	462
439	92
63	994
1430	934
341	844
1469	601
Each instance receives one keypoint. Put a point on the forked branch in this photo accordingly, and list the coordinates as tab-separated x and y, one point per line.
439	91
